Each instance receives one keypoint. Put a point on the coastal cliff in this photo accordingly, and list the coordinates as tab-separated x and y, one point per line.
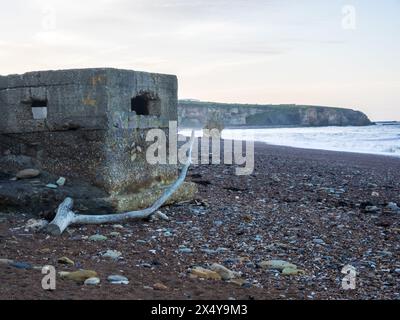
198	114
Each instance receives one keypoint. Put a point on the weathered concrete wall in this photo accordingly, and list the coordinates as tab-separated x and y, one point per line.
74	99
90	131
127	84
198	114
84	99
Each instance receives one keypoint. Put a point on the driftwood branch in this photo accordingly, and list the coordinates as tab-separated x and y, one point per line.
66	217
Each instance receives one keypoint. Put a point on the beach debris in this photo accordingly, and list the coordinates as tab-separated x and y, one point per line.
51	186
27	174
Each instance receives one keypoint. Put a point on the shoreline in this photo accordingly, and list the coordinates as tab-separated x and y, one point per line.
336	151
318	147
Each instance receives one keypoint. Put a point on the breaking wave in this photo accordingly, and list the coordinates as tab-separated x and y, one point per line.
377	139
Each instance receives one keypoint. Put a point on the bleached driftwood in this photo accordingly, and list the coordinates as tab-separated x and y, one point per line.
66	217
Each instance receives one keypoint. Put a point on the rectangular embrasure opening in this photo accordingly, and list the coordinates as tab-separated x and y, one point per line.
146	104
39	109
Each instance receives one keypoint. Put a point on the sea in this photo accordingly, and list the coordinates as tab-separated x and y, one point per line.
383	138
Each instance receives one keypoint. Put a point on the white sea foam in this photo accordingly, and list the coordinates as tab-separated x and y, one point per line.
377	139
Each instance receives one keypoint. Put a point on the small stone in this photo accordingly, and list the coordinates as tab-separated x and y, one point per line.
61	181
28	174
276	264
185	250
247	218
218	223
6	261
92	281
51	186
375	194
160	286
244	260
371	209
21	265
112	254
225	273
205	273
208	251
247	285
118	226
392	206
79	276
65	260
275	178
114	234
116	279
292	272
319	241
98	237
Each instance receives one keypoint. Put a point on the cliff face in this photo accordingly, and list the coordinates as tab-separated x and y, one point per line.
199	114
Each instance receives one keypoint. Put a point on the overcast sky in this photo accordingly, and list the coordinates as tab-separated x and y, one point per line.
323	52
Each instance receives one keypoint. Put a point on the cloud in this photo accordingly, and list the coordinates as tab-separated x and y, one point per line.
249	50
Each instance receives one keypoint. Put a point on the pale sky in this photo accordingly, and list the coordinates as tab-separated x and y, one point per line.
250	51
